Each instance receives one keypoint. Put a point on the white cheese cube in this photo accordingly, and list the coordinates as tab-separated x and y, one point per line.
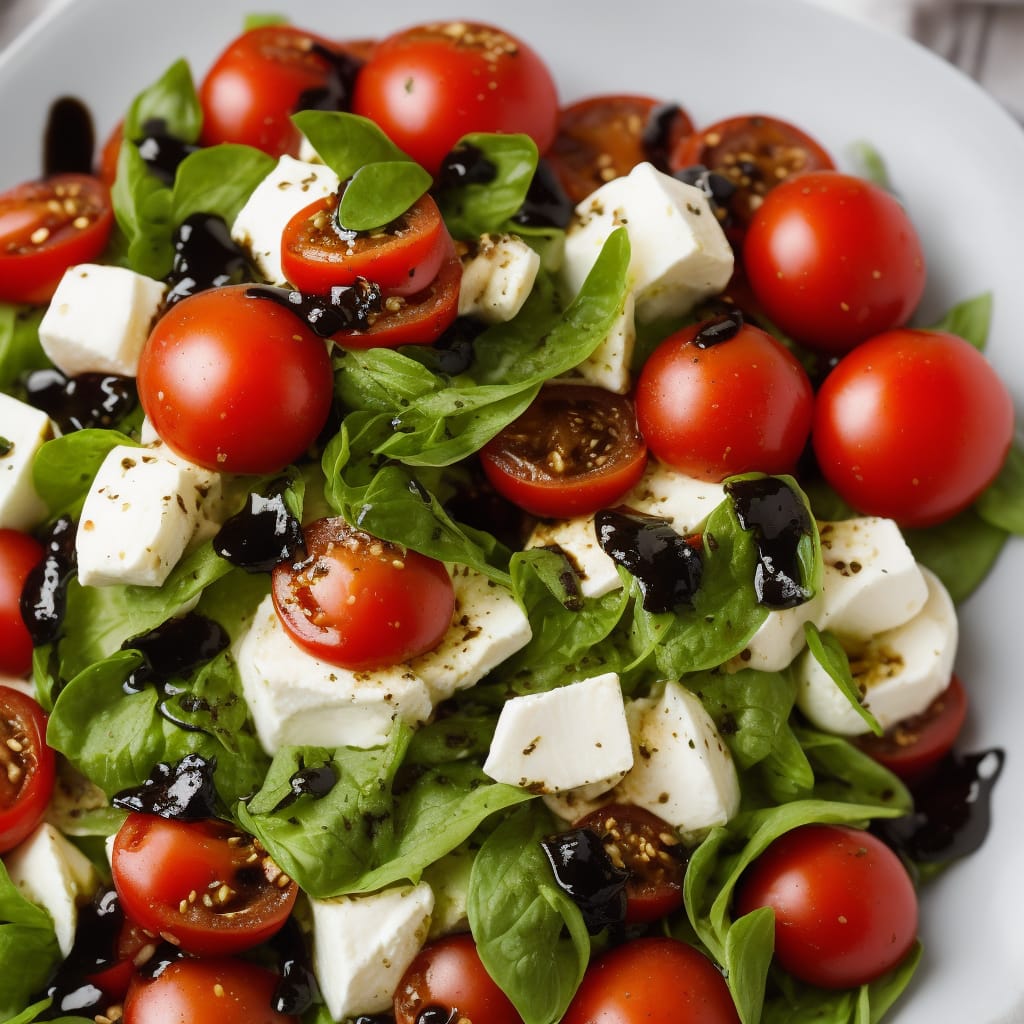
99	319
679	253
488	626
608	366
899	671
779	639
56	875
143	509
682	770
296	698
289	188
683	500
577	539
362	945
23	430
575	735
497	276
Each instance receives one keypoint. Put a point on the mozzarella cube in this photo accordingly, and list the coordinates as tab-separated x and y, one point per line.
288	189
779	639
141	513
899	672
608	366
562	739
577	540
497	276
99	319
679	253
296	698
56	875
682	770
23	431
683	500
362	945
487	627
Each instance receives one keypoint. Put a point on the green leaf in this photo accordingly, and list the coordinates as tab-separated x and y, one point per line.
1002	503
380	193
969	320
264	20
345	142
171	99
218	180
20	350
828	652
749	945
870	164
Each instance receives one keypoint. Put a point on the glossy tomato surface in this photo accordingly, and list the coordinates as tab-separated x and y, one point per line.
359	602
27	767
736	405
834	259
19	554
912	425
652	981
429	85
210	887
845	907
235	383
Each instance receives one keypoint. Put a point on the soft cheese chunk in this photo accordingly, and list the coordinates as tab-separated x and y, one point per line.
289	188
23	430
608	366
497	276
56	875
577	540
779	639
144	508
679	253
362	946
569	737
99	319
899	671
296	698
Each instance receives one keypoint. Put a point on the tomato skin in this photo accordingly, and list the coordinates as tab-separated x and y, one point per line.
359	602
652	979
834	259
217	990
545	463
449	974
26	781
47	226
738	406
234	383
845	907
158	864
912	425
429	85
19	555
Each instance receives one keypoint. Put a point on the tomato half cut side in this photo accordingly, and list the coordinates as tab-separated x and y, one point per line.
47	226
27	767
20	553
209	886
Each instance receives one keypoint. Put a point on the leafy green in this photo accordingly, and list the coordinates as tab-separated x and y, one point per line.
828	652
346	142
1002	503
969	320
380	192
20	350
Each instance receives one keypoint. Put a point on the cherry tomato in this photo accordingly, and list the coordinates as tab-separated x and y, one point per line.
403	258
834	259
576	449
359	602
912	425
19	555
912	747
604	137
737	405
845	907
47	226
235	383
755	153
110	154
134	948
212	888
449	976
429	85
652	979
27	767
218	990
649	849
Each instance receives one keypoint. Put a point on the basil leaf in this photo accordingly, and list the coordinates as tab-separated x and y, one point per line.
20	350
346	142
264	20
969	320
380	193
870	164
749	945
1002	503
171	99
829	654
218	180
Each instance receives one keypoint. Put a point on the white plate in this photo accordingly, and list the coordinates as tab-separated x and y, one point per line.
955	157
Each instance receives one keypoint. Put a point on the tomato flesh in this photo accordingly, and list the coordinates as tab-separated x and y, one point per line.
19	555
27	767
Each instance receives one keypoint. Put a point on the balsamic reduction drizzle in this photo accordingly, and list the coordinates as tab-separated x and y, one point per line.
205	256
315	782
44	594
718	329
69	141
260	535
428	1015
82	402
162	151
546	204
584	871
657	133
466	164
297	990
336	92
181	792
345	308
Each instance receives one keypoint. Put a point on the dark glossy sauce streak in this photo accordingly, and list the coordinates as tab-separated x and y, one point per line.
316	782
83	402
465	165
546	203
336	92
297	990
165	955
345	308
429	1015
180	792
70	140
584	871
261	535
44	595
718	329
657	134
162	151
205	256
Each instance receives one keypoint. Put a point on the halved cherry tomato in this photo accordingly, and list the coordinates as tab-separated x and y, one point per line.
604	137
447	976
134	948
403	258
27	767
915	745
359	602
429	85
19	555
217	990
576	449
47	226
210	887
649	849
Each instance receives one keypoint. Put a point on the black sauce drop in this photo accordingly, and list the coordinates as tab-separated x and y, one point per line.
718	329
345	308
261	535
667	568
466	164
162	151
435	1015
174	648
70	139
297	990
779	521
205	256
336	92
546	204
658	131
82	402
44	594
718	189
315	782
182	792
162	958
585	872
